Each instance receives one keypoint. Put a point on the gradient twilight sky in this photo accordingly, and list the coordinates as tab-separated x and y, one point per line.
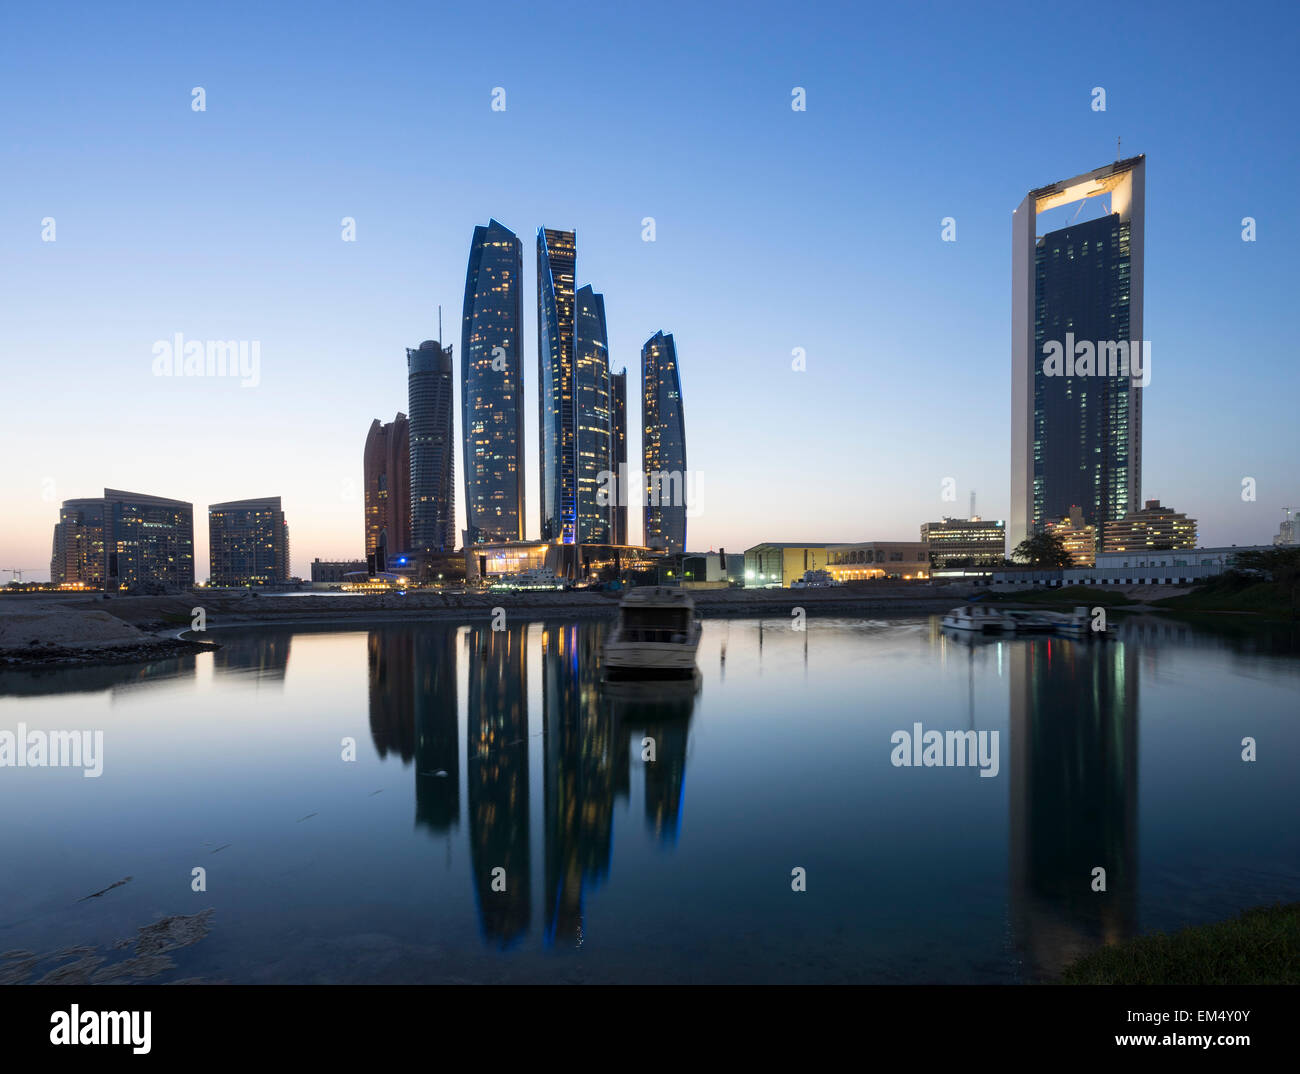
775	230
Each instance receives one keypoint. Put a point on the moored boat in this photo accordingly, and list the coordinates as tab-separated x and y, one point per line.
657	635
979	618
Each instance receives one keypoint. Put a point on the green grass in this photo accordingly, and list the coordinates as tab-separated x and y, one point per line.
1067	596
1262	946
1261	598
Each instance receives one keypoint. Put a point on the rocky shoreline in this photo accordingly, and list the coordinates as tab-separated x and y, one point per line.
40	657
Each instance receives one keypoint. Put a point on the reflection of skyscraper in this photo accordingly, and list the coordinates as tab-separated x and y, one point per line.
497	770
432	448
592	421
437	756
387	479
618	454
556	255
660	712
1077	439
580	777
1074	768
261	655
391	655
663	445
492	387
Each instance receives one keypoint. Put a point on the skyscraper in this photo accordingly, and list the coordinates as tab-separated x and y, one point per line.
618	455
663	446
248	543
125	541
592	418
1076	430
492	387
556	254
78	554
387	478
433	448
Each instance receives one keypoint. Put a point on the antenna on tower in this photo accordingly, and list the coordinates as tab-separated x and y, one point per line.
972	503
439	325
1118	143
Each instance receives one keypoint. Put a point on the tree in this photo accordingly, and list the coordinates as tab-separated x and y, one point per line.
1042	550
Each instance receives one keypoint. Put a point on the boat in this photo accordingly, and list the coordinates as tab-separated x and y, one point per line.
1027	622
535	578
979	618
656	637
816	579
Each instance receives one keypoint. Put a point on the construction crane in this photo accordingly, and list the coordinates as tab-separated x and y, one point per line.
18	572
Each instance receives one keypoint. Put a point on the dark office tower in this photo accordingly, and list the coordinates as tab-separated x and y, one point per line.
433	448
79	544
556	253
1076	423
248	543
492	387
618	455
591	397
148	542
663	446
387	469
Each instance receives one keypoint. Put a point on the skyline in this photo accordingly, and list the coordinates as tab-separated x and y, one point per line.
774	230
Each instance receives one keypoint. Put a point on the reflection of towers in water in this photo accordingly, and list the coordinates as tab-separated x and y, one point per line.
391	655
660	711
497	770
1074	769
264	656
581	773
437	764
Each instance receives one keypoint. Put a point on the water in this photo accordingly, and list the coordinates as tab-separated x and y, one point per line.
478	751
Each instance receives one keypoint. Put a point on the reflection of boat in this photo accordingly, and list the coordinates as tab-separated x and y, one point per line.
656	637
979	618
668	693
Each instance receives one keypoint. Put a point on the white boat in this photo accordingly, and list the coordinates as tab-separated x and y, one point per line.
816	579
656	636
535	578
979	618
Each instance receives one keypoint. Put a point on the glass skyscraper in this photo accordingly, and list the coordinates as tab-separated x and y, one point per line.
492	387
248	543
592	420
1076	437
618	454
556	254
663	446
432	448
386	468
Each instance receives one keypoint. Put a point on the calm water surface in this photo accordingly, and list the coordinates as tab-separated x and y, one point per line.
477	752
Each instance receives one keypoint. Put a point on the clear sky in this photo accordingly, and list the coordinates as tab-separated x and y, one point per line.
775	230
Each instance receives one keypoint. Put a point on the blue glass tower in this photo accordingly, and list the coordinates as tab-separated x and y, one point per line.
592	399
492	387
556	254
663	446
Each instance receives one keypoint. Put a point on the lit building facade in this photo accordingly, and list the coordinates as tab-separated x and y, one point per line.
387	481
618	455
1077	537
430	394
593	419
332	571
1153	528
556	257
248	543
869	560
148	542
663	446
965	542
492	387
1076	437
78	554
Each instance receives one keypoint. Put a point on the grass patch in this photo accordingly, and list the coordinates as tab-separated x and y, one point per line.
1262	598
1067	596
1262	946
